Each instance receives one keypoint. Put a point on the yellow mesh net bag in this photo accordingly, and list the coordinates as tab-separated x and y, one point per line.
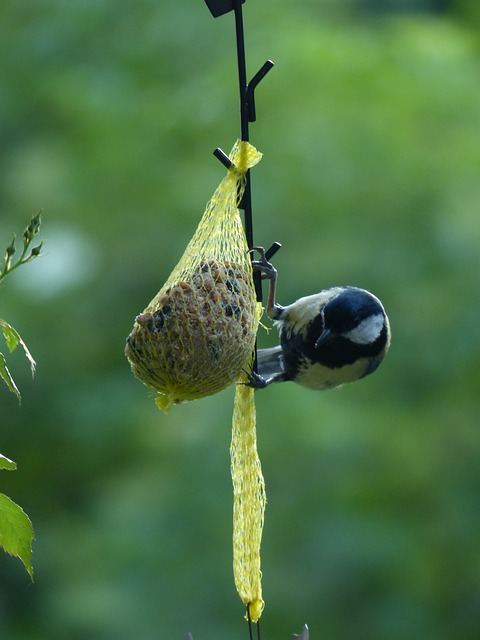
198	333
197	336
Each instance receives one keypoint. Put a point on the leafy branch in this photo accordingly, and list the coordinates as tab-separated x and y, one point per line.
16	531
27	254
10	334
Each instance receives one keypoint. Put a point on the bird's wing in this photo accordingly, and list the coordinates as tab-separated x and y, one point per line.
270	364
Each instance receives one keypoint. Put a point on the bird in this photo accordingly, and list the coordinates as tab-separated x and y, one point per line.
327	339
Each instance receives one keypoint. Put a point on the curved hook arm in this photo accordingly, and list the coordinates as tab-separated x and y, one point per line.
252	85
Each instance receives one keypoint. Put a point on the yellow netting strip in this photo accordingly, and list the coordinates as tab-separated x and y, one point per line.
198	333
249	500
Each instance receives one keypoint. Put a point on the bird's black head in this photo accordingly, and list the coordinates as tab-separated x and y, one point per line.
355	314
352	324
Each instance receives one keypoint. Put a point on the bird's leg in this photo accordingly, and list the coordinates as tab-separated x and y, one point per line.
255	379
269	361
269	272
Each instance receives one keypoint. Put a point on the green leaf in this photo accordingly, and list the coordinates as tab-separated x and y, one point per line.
7	378
10	334
13	339
16	532
7	464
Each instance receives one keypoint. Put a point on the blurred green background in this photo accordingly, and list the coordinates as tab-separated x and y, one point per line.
369	125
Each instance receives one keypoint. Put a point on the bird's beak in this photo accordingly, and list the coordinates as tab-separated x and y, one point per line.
325	336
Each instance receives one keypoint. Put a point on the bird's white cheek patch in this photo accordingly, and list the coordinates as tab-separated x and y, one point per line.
367	331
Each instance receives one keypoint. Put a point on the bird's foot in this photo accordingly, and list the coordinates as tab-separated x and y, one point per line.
263	266
255	380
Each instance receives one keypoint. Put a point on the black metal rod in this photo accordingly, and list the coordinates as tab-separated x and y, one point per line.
242	70
246	203
247	114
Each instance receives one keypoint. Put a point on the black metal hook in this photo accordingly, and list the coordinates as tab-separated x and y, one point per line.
224	159
252	85
272	250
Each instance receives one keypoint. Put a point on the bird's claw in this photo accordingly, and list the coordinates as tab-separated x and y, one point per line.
255	380
263	266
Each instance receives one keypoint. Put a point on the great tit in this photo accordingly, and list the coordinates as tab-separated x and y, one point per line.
327	339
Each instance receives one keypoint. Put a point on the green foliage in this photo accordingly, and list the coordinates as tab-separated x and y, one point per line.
5	463
10	334
16	531
13	340
28	253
